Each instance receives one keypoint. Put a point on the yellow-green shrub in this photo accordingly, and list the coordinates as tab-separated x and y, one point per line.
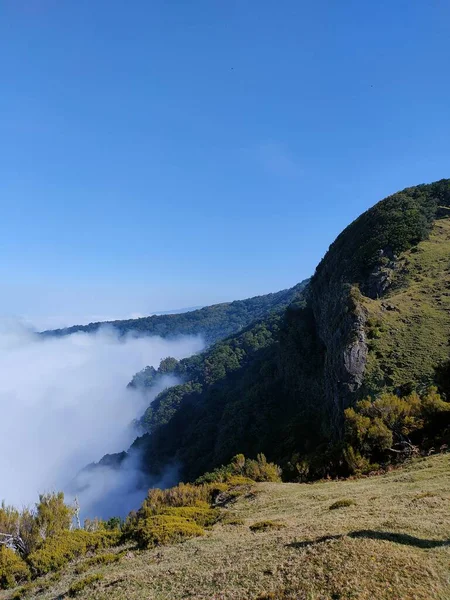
13	569
53	515
266	526
375	427
204	516
101	559
79	586
164	529
58	550
21	522
247	468
358	464
239	480
231	520
184	494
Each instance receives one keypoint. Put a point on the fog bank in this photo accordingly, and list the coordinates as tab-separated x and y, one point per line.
64	404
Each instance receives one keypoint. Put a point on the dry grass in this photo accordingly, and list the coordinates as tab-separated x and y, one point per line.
392	544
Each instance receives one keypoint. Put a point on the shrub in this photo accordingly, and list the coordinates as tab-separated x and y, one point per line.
184	494
79	586
374	427
21	523
357	463
243	470
57	551
113	523
52	515
234	480
201	515
342	503
231	520
101	559
13	569
266	525
164	529
23	591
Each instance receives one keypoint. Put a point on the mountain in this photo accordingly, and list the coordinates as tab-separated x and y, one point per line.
212	322
351	378
374	319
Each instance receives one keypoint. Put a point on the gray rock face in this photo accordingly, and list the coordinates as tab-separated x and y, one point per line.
341	321
341	327
355	354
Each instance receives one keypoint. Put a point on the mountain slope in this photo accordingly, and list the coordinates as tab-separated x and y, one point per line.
392	542
374	317
365	262
212	322
416	312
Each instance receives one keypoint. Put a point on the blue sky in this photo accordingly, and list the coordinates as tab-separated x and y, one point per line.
157	155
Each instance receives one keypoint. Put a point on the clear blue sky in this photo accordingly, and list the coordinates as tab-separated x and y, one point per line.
160	154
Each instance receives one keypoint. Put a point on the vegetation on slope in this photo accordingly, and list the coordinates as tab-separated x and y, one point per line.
389	538
375	318
36	543
408	329
345	377
200	371
40	541
212	322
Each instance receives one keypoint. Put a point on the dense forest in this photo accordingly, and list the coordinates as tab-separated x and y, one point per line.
211	322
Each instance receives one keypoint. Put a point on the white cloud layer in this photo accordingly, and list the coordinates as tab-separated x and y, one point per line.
64	403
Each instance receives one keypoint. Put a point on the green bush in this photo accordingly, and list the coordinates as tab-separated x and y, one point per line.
57	551
356	463
164	529
13	569
204	516
374	427
231	520
342	503
243	470
52	514
77	587
101	559
50	517
184	494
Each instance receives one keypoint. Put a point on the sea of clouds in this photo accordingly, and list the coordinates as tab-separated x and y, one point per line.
64	404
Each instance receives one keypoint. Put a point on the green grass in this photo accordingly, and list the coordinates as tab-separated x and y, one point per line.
408	328
393	544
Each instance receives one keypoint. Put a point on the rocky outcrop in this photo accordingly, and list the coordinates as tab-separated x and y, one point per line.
382	275
341	320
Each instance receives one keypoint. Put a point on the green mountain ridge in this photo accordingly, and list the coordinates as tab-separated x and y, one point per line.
374	318
212	322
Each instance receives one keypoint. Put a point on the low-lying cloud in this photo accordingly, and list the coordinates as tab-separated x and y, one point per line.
64	404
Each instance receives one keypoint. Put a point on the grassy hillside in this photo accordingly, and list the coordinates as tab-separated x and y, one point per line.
388	538
212	322
409	328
